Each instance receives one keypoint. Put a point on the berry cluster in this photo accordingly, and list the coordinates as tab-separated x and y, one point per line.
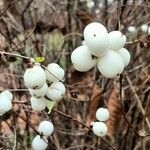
99	127
45	128
5	102
44	85
101	48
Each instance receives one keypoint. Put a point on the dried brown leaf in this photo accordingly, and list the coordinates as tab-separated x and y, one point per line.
95	103
114	107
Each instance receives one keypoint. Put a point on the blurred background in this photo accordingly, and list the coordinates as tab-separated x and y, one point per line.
53	29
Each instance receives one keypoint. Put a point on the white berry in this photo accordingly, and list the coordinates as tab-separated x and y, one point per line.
39	143
116	40
111	64
5	103
96	38
54	72
82	59
46	128
34	77
144	28
8	94
124	53
102	114
56	91
39	92
90	4
99	129
132	29
59	86
38	104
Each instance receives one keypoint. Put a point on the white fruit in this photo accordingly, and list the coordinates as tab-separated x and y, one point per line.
39	92
59	86
5	104
111	64
116	40
102	114
96	38
56	91
82	59
144	28
38	104
34	77
39	143
90	4
46	128
7	93
124	53
148	30
54	72
99	129
94	27
132	29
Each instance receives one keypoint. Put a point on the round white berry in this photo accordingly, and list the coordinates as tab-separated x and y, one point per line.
94	27
96	38
39	92
5	103
38	104
124	53
144	28
82	59
46	128
132	29
116	40
99	129
59	86
111	64
56	91
102	114
54	72
90	4
39	143
8	94
34	77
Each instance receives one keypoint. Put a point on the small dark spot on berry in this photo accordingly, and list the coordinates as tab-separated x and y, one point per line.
35	87
93	57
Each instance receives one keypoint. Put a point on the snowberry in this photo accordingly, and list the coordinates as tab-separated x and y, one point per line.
82	59
132	29
5	103
34	77
90	4
124	53
59	86
111	64
54	72
56	91
102	114
39	92
94	27
116	40
99	129
96	38
46	128
38	104
8	94
144	28
39	143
